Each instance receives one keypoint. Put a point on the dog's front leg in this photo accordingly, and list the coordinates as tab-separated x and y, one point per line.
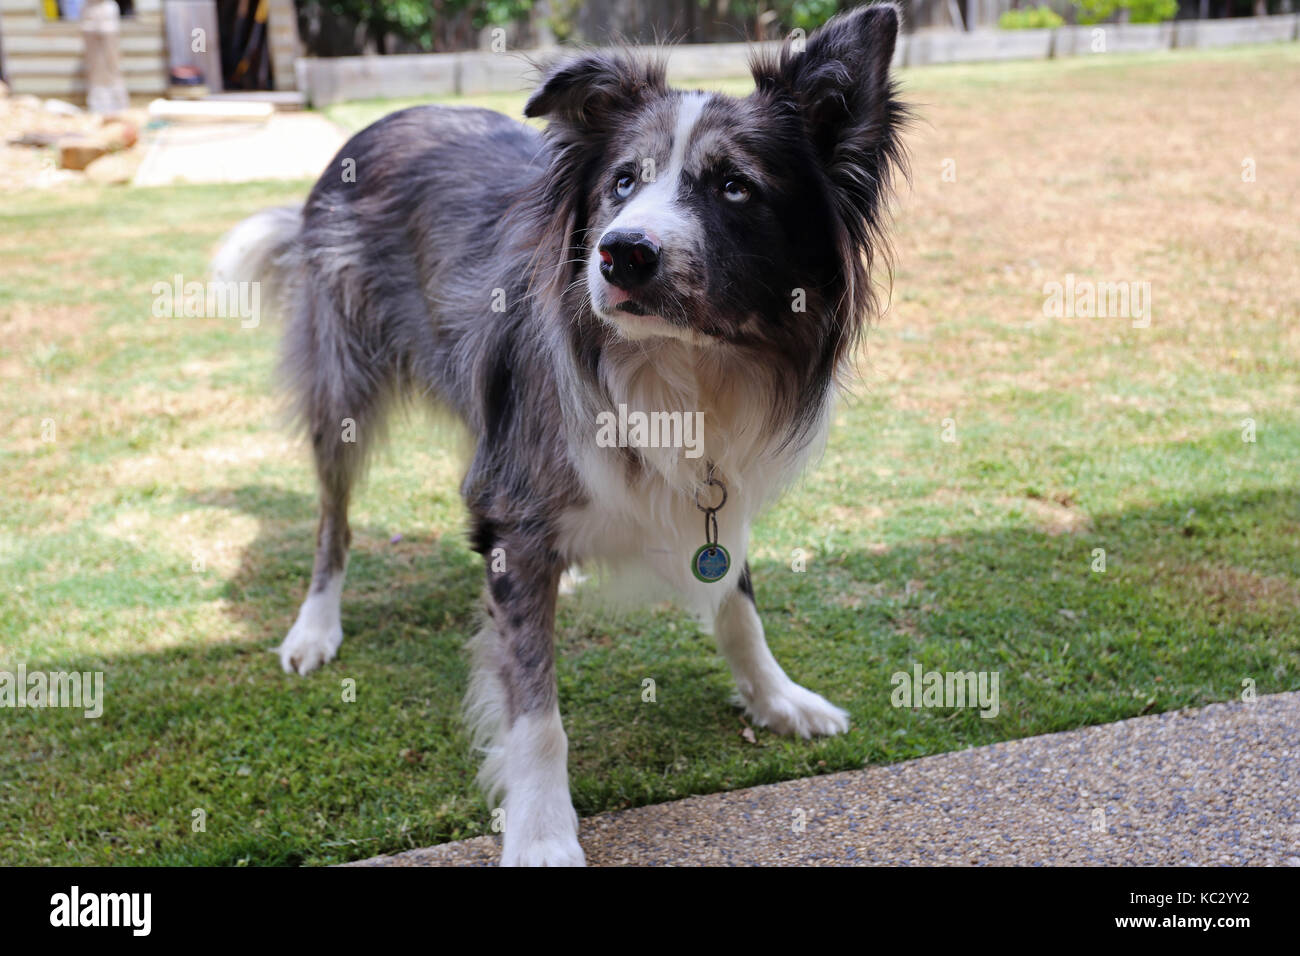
514	706
772	698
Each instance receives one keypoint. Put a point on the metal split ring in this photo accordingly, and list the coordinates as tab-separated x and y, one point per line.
718	507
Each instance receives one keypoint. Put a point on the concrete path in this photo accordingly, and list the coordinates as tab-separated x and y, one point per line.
287	146
1217	785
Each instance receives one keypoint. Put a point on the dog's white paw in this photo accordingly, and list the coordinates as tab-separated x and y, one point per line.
553	850
795	710
308	645
315	637
542	830
541	826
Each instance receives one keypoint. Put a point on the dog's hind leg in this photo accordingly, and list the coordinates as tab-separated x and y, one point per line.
342	409
771	698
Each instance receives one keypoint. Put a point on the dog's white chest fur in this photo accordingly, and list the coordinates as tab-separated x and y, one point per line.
651	525
647	516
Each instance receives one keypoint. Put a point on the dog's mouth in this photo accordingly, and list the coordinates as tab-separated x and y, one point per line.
646	316
616	302
639	316
637	320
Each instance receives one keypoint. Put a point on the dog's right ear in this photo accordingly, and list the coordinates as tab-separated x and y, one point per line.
587	92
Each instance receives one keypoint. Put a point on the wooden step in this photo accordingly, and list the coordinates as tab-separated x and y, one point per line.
27	44
26	20
74	87
209	110
283	100
73	65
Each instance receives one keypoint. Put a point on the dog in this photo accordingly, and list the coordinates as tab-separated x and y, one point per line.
653	252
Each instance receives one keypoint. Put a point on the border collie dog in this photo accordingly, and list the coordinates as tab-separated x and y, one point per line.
654	252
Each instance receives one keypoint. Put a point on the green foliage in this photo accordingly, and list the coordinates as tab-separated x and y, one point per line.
501	12
1030	18
1152	11
1140	11
418	21
808	15
563	20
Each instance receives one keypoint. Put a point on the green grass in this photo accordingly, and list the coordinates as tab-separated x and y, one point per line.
165	535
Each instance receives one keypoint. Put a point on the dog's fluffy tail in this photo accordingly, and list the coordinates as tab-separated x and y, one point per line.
260	249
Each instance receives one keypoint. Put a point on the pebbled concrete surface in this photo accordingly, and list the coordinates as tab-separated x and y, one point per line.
1218	785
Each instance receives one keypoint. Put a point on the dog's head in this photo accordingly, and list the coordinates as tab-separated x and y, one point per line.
721	220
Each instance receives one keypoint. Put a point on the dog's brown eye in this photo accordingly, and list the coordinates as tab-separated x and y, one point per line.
735	190
623	186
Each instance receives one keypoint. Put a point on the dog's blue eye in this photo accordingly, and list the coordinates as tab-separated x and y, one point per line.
735	190
623	186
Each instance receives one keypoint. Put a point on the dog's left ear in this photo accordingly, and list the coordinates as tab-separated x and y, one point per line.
840	85
586	92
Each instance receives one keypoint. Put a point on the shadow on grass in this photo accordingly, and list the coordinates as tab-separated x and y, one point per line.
1196	598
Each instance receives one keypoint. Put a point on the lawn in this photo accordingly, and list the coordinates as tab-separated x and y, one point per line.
157	521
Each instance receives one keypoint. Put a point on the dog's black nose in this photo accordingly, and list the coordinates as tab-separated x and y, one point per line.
628	258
